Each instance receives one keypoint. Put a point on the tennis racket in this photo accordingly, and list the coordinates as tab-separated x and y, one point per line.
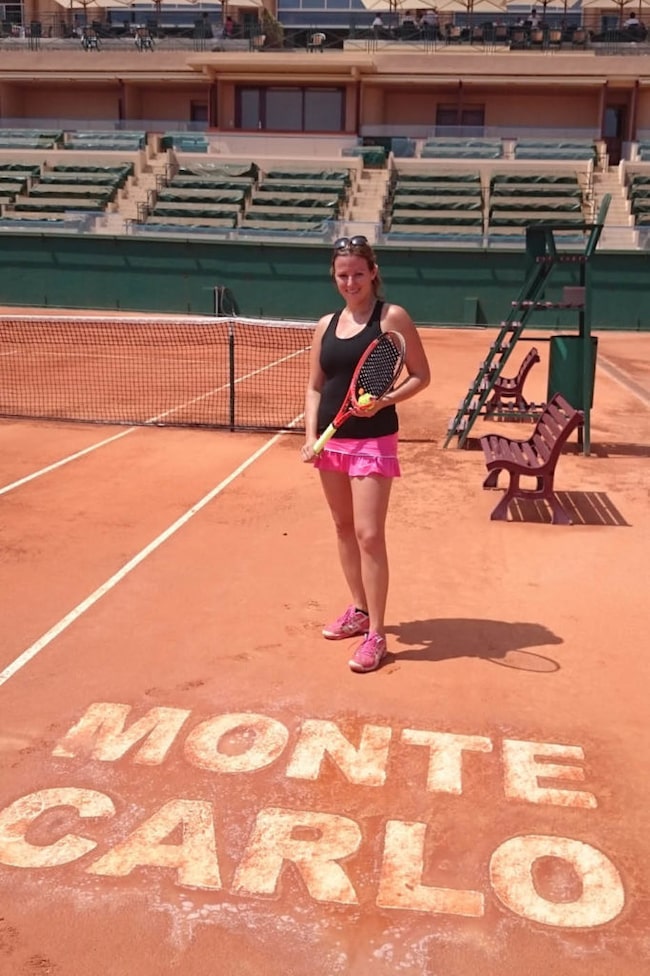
375	374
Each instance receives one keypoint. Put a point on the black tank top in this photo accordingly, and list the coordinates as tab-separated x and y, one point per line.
338	360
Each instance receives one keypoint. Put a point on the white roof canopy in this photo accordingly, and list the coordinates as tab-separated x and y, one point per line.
152	6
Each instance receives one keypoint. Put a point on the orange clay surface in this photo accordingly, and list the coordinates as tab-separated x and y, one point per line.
193	782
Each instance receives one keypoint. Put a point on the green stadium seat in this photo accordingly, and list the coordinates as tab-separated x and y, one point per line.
177	194
75	191
518	199
555	149
407	189
469	148
101	139
238	184
184	222
403	148
339	175
296	195
436	235
403	221
373	156
289	229
535	205
425	204
268	198
431	203
280	214
219	171
188	142
638	192
170	209
42	224
59	205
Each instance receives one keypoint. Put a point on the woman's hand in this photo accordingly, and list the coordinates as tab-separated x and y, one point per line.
307	451
369	409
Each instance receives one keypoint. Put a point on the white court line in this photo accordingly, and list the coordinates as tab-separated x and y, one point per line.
31	652
65	460
623	379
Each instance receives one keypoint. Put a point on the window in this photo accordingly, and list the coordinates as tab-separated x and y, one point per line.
290	109
614	122
198	111
456	120
283	109
248	109
323	110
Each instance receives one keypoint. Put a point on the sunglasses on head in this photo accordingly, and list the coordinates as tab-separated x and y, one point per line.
344	242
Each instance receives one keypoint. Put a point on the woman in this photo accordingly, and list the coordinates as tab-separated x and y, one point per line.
358	464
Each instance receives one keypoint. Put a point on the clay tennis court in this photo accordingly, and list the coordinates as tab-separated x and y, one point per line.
193	782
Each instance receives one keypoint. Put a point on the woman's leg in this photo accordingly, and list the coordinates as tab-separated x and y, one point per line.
338	493
370	496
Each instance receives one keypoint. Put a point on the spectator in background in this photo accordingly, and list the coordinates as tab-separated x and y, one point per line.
430	24
228	27
377	25
408	29
635	28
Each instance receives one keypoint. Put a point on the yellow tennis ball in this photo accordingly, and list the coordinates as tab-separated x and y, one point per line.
365	399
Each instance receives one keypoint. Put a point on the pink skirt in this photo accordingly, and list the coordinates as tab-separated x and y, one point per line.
359	458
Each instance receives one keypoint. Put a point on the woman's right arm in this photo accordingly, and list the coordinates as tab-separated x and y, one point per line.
313	391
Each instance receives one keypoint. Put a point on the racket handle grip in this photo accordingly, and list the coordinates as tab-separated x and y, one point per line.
323	439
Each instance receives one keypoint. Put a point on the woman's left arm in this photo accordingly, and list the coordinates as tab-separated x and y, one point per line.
418	375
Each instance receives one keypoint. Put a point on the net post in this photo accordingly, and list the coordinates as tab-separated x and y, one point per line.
220	294
231	373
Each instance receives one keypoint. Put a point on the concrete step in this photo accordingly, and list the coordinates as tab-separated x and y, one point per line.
110	223
368	197
619	238
370	229
619	223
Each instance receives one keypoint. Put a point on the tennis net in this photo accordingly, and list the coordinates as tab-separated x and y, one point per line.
234	373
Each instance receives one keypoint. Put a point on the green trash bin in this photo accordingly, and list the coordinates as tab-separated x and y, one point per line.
565	373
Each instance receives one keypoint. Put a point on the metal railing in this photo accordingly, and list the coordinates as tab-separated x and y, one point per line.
614	238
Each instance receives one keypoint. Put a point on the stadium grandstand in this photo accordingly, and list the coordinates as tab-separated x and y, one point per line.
436	132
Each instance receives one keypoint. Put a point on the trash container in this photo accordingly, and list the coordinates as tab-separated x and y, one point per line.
565	373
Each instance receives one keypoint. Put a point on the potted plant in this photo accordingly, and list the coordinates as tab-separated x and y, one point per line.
272	29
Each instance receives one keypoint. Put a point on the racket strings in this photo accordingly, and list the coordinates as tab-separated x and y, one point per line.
378	373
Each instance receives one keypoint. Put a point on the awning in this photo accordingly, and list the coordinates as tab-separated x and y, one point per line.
85	4
146	8
485	81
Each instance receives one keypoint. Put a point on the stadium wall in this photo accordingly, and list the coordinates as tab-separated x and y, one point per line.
282	281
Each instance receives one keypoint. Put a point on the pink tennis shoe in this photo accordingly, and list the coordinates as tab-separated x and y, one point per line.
369	654
352	623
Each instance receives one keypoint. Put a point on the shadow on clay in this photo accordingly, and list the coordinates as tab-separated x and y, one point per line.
497	641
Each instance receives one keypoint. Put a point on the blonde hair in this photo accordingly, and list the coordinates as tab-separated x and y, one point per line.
359	248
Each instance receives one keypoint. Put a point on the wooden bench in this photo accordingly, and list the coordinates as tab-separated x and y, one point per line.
511	387
536	458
